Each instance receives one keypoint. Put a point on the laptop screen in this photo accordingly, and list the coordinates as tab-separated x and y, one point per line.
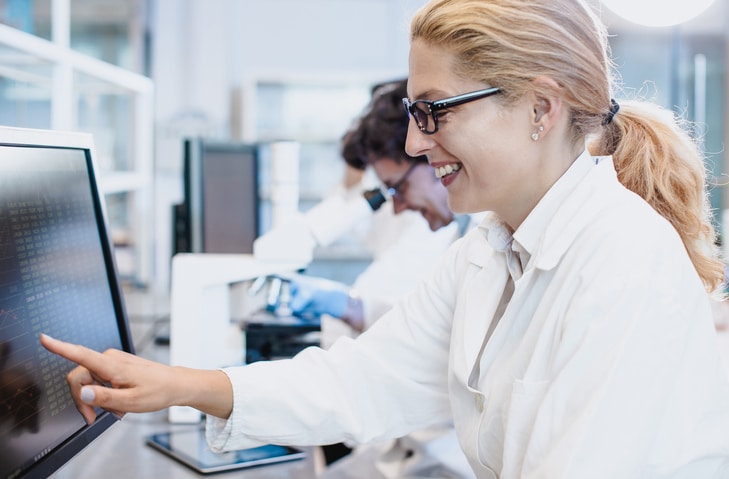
57	276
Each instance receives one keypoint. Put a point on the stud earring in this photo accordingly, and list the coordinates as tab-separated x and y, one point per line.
535	135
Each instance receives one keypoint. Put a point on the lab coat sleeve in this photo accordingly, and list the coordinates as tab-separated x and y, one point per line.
635	323
374	307
389	381
399	268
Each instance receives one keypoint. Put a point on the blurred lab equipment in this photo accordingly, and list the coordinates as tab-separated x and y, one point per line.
275	330
296	239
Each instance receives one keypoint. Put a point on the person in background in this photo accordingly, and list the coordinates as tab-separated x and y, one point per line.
569	335
377	140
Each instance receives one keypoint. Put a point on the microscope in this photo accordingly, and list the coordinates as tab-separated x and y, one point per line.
273	332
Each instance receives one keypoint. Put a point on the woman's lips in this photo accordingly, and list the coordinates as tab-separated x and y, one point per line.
447	172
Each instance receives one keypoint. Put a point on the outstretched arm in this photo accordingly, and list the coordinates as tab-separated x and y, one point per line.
121	382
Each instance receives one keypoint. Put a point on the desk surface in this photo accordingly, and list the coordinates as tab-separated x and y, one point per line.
121	452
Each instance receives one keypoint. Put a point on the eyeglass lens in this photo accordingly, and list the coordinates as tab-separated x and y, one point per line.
419	113
422	117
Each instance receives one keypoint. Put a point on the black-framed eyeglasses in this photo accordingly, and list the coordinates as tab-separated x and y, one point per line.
395	189
425	110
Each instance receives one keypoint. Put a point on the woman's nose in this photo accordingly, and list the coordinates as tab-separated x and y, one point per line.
417	143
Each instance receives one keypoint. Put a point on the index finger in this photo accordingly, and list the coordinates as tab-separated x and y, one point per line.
92	360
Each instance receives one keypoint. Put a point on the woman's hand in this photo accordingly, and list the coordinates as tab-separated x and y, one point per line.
121	382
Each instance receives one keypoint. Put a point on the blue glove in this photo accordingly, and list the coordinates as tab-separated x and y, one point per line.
312	297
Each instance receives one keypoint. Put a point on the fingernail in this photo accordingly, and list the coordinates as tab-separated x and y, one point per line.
48	337
87	394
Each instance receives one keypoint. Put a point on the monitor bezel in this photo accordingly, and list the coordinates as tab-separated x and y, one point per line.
58	456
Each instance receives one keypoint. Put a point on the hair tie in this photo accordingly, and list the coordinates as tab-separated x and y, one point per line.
614	107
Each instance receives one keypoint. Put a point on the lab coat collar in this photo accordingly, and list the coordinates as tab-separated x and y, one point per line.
479	252
553	224
589	195
530	232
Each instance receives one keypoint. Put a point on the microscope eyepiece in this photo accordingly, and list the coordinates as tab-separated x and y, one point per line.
375	198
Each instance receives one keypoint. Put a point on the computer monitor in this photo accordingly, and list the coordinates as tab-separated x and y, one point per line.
57	276
220	211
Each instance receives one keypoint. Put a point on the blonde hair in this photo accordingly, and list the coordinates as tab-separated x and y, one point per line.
509	43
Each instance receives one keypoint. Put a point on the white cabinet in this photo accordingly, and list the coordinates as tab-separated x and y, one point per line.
45	84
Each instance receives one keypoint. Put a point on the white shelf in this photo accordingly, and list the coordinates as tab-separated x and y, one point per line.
77	92
120	182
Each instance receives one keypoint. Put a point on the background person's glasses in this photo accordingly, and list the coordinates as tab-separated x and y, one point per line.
425	112
395	189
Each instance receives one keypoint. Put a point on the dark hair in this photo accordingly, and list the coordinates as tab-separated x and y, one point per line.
381	130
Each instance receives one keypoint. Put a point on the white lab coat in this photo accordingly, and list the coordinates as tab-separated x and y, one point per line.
604	364
403	263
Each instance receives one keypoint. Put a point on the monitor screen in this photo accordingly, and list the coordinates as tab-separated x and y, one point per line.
57	276
220	213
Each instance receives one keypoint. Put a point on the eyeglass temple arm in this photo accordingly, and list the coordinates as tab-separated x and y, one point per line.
460	99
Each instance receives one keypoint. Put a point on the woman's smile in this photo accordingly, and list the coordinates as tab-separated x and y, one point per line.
448	173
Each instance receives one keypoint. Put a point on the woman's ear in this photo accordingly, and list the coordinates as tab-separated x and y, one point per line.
547	104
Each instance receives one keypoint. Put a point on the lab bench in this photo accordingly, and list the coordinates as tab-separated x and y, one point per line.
121	451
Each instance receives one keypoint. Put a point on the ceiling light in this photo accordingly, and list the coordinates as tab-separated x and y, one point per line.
657	13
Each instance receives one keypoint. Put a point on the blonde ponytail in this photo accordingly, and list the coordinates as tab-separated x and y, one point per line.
656	158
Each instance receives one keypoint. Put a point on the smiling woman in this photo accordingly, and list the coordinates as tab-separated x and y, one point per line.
576	311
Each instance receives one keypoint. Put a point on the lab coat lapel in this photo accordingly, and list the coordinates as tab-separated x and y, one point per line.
480	298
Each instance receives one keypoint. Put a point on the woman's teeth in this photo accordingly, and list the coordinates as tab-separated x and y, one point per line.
445	170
